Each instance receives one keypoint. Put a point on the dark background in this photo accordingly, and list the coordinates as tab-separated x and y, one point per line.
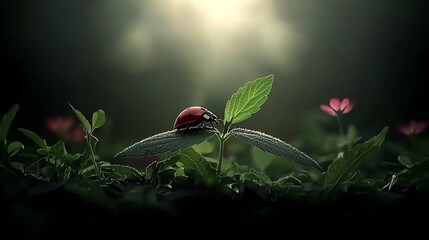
84	52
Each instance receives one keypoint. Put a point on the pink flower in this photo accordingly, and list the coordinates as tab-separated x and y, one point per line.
336	105
59	124
74	135
414	127
64	127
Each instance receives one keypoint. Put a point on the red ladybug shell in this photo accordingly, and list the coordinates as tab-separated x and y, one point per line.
190	114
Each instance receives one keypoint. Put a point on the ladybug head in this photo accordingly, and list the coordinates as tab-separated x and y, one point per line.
211	117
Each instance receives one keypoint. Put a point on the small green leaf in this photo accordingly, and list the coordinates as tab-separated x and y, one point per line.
7	120
155	168
274	146
290	179
166	142
123	172
13	148
34	137
98	119
82	119
180	172
49	172
42	151
257	177
406	161
193	161
247	100
67	173
18	165
70	158
90	168
343	169
58	151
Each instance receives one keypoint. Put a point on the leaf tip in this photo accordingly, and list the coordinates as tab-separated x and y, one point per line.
121	153
71	106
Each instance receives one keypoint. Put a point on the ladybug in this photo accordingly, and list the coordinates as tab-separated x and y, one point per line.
194	117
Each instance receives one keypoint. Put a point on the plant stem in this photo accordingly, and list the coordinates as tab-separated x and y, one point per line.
31	165
91	152
341	131
221	144
222	138
340	125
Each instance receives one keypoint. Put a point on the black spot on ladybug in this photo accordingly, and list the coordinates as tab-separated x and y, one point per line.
189	115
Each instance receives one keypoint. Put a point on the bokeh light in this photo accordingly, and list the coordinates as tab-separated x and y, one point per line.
213	39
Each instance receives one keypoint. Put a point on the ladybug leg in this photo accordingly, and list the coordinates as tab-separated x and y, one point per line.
187	127
203	124
208	127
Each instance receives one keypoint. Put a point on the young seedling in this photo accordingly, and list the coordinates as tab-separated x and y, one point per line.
98	120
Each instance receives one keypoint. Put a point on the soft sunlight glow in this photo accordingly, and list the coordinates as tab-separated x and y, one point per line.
224	12
213	40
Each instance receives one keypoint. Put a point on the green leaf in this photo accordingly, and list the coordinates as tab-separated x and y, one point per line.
343	169
193	161
49	172
18	165
166	142
406	161
67	173
155	168
7	120
123	172
288	180
82	119
274	146
42	151
257	177
90	168
248	100
98	119
34	137
58	151
13	148
70	158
